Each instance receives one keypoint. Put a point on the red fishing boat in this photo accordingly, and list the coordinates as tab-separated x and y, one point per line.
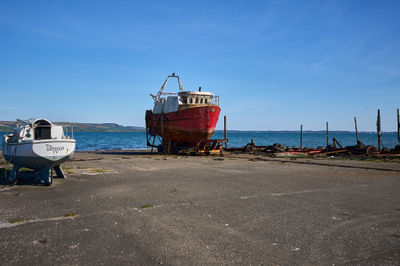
182	119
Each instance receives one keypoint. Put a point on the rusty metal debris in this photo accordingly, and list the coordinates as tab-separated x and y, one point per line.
335	148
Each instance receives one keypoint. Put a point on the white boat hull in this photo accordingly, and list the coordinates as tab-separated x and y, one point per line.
38	153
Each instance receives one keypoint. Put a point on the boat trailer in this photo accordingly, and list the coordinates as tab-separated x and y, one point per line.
206	147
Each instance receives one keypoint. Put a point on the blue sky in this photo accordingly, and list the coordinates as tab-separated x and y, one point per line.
274	64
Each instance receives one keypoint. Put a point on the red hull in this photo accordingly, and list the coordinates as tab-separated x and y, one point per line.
188	126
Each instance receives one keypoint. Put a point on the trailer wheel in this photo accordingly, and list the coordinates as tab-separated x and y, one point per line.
249	148
277	145
370	150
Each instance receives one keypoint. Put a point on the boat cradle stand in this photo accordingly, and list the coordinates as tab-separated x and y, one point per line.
206	147
43	173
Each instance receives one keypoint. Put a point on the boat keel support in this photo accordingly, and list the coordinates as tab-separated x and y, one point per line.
59	171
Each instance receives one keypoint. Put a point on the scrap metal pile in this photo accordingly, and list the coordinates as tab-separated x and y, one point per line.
331	149
282	150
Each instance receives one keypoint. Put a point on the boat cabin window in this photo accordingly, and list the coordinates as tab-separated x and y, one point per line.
184	99
42	130
196	99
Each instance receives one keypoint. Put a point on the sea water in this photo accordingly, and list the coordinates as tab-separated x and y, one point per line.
92	141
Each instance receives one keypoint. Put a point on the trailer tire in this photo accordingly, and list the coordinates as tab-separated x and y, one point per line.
249	148
370	150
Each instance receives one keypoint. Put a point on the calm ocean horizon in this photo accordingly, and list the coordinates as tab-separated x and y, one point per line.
95	141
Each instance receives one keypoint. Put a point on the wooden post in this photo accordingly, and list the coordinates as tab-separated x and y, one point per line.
225	133
378	129
398	125
301	137
169	144
355	125
162	125
327	135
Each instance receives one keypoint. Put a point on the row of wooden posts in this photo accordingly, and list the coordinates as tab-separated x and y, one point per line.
378	129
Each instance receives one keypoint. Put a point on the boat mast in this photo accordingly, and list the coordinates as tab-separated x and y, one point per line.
158	96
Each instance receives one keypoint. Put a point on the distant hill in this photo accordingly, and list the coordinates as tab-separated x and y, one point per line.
8	126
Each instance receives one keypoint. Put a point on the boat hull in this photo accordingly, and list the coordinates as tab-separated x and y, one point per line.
188	126
38	153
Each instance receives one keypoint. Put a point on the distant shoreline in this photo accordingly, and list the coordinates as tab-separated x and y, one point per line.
221	131
304	131
8	126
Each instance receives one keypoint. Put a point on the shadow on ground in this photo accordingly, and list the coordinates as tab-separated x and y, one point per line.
25	178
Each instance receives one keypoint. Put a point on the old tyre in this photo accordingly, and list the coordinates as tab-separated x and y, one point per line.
370	150
249	148
277	149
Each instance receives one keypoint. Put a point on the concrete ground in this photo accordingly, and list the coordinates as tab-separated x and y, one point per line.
137	208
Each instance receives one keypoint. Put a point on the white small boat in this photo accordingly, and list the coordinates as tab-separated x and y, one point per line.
39	145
